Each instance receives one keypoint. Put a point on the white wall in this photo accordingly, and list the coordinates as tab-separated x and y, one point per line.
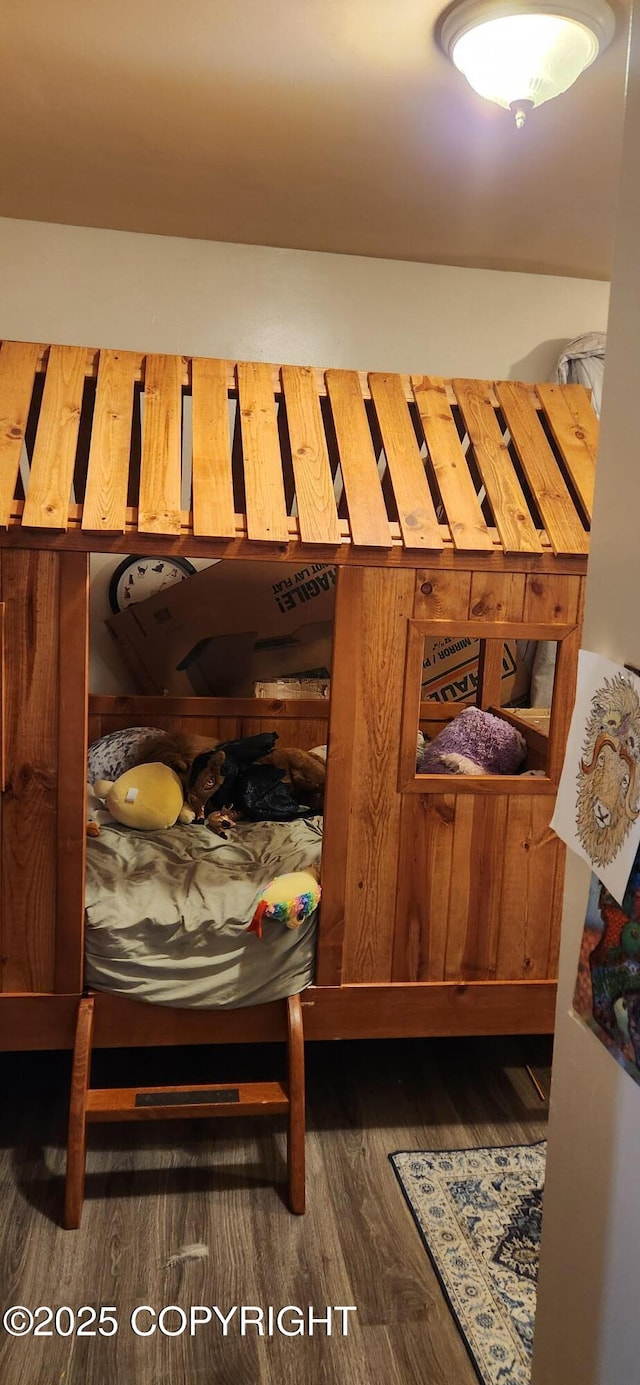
588	1322
111	288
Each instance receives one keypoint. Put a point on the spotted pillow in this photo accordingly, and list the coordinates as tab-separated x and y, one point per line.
116	752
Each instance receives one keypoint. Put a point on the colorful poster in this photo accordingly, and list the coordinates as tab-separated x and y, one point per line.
607	994
597	810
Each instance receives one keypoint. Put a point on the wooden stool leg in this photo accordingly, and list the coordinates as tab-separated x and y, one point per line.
77	1139
296	1133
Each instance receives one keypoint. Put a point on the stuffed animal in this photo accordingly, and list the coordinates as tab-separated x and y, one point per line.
475	742
303	771
148	797
289	899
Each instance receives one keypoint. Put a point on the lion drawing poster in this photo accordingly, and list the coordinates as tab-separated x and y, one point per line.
597	810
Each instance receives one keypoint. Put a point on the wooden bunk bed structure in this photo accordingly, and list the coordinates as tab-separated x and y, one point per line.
450	507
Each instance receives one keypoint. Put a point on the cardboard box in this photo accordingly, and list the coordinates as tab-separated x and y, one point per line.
450	671
229	626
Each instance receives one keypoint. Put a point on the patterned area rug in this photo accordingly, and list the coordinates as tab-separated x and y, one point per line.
479	1213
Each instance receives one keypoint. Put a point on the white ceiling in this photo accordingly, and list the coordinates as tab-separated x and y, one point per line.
320	124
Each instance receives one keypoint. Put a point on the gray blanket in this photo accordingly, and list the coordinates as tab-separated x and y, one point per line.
167	914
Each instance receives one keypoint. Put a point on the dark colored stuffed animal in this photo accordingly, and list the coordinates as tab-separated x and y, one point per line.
304	772
229	776
248	777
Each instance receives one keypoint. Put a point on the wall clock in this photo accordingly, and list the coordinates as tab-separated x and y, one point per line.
137	578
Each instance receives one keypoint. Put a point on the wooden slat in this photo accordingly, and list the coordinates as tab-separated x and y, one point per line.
315	496
105	503
506	497
30	591
370	814
564	692
528	904
490	671
579	402
365	502
424	882
550	493
264	485
416	510
3	722
18	361
575	428
468	529
160	480
462	888
345	694
213	506
474	913
73	683
49	491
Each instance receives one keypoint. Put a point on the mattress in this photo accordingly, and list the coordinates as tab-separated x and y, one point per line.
167	914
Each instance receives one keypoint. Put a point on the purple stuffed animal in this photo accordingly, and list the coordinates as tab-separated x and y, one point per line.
475	742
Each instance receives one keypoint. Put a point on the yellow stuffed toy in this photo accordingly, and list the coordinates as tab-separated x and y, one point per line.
148	797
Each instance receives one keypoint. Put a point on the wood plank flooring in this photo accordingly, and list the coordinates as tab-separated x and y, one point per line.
154	1189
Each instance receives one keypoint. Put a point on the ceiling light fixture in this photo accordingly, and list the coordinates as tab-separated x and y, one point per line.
520	54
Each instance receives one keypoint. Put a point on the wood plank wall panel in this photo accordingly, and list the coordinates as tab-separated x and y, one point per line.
424	884
557	510
18	361
346	673
479	889
28	878
263	480
478	853
3	719
490	657
371	812
550	597
365	502
464	515
564	691
214	728
317	511
574	427
529	904
160	464
51	478
416	511
302	734
506	496
442	595
212	480
496	596
105	502
73	683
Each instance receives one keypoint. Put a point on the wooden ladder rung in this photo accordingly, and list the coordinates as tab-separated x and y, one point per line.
188	1103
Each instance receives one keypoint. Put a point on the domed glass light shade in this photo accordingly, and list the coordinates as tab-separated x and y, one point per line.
520	55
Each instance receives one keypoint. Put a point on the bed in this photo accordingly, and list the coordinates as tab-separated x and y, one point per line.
167	914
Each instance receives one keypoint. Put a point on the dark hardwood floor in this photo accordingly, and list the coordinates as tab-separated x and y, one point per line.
154	1190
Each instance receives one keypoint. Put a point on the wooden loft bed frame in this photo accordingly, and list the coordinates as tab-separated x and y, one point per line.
448	507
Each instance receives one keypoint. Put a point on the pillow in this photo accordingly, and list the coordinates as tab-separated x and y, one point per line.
113	754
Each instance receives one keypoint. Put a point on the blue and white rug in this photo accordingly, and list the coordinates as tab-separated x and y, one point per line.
479	1213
